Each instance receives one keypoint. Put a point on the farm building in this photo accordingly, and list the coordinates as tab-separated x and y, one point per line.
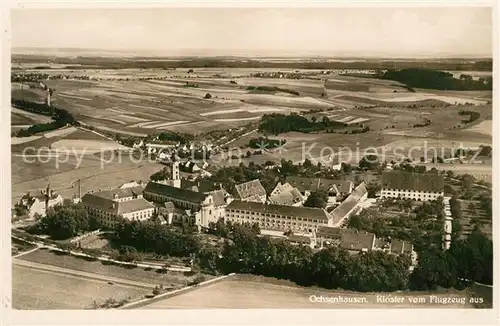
351	205
200	204
111	205
301	240
277	217
334	188
357	241
252	191
38	205
285	194
416	186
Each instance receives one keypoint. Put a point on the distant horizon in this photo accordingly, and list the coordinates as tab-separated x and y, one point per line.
367	32
179	53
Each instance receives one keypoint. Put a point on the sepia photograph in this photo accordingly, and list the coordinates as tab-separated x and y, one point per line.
335	157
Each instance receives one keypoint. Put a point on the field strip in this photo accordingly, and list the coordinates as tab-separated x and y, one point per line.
74	97
131	118
79	274
337	80
22	140
60	132
236	119
164	124
149	107
344	119
154	116
120	131
358	120
163	296
109	119
255	110
145	124
117	111
36	117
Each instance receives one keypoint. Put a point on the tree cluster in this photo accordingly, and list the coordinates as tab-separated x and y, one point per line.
473	115
271	89
435	79
470	259
65	221
277	123
266	143
61	117
370	162
330	268
317	199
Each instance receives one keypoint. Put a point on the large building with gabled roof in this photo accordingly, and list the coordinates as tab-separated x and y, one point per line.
277	217
415	186
201	204
251	191
110	206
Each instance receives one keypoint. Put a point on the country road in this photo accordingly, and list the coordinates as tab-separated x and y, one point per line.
62	270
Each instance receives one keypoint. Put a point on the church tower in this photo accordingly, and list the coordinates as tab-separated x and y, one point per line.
176	174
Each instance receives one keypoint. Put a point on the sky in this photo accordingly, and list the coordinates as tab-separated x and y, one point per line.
354	31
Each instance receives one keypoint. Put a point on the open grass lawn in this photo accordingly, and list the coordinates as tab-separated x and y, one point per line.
40	289
246	291
171	279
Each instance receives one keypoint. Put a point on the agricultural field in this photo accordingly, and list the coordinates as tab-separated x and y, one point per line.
244	291
175	100
125	101
63	156
45	288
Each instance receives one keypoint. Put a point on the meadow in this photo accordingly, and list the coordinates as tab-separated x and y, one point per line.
247	292
43	289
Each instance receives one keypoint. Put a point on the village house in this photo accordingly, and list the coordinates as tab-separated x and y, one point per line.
350	206
39	204
123	203
357	241
285	194
334	188
415	186
131	184
252	191
277	217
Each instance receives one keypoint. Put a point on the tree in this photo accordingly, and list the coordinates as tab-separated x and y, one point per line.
370	162
317	199
372	188
208	96
66	221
